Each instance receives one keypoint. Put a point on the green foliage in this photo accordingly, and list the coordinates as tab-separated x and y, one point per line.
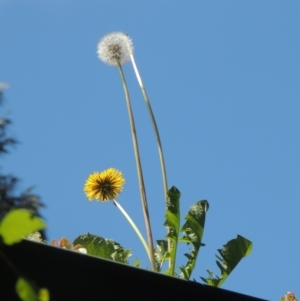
17	224
160	253
27	292
137	263
101	247
43	294
14	227
231	254
173	224
193	230
18	216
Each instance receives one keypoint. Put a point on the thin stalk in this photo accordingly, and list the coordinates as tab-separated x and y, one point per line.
139	169
160	150
135	228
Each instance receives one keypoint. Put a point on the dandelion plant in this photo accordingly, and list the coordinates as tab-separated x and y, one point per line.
115	49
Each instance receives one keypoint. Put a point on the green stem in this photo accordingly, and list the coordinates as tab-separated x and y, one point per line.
135	228
139	169
160	150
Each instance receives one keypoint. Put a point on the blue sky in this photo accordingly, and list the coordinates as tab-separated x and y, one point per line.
223	81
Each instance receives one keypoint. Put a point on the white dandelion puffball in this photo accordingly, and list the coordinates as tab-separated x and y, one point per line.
115	46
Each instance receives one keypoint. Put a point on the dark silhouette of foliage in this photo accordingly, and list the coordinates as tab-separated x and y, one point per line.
8	184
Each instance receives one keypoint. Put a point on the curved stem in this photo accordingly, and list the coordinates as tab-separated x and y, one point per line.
135	228
160	150
139	169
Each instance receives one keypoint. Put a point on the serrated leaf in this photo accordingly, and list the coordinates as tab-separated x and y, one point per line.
160	253
17	224
230	256
120	254
193	230
173	223
104	248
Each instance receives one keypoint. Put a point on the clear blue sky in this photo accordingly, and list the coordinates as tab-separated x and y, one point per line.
223	80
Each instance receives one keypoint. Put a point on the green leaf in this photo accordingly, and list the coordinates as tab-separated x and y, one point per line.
104	248
28	292
17	224
25	290
193	230
160	252
231	254
137	263
173	223
44	295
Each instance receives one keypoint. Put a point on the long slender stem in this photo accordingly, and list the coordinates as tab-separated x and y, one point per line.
135	228
139	169
160	150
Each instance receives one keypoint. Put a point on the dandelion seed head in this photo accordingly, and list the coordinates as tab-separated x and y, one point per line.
115	46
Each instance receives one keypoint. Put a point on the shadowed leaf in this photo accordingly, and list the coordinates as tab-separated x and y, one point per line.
160	253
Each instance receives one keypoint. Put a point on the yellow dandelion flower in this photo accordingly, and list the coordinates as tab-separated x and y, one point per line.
104	186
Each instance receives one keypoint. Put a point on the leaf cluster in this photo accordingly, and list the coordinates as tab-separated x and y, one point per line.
192	234
14	227
193	230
